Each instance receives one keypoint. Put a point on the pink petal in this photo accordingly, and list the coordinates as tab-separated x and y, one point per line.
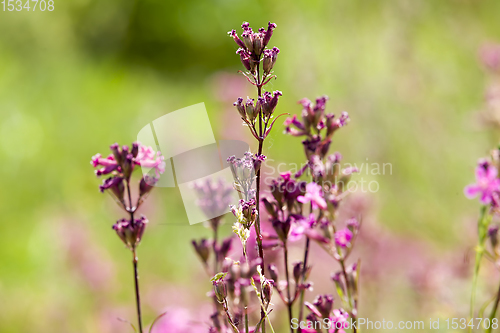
471	191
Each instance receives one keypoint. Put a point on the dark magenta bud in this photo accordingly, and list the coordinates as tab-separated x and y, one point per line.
247	37
135	149
298	269
202	248
240	107
267	290
270	57
324	304
250	109
245	59
115	184
273	272
130	232
269	32
237	39
146	185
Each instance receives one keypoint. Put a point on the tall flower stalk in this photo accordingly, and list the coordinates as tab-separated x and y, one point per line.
298	209
258	116
119	166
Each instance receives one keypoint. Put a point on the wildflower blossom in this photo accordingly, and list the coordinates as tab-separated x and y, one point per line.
314	194
343	237
487	183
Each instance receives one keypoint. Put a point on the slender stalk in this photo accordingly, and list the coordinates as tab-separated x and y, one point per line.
137	293
135	261
289	299
302	292
216	259
494	310
257	194
482	232
348	288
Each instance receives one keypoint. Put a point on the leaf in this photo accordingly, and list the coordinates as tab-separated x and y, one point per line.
272	124
218	276
156	320
128	322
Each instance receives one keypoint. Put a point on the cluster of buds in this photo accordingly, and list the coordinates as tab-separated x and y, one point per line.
323	315
253	44
131	231
265	106
317	126
234	286
205	247
244	172
252	51
119	166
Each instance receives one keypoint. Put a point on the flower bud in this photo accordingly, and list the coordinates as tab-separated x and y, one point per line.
240	107
220	290
237	39
250	109
273	272
270	57
324	304
128	165
115	149
247	37
130	232
135	149
269	207
146	185
115	184
297	271
258	44
202	249
282	228
269	33
225	247
493	235
245	59
267	290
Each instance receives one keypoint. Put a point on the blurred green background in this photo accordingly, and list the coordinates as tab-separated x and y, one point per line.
92	73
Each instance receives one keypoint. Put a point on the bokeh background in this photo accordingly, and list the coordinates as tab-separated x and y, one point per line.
92	73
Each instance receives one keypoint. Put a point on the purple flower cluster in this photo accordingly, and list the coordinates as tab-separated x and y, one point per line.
298	209
119	166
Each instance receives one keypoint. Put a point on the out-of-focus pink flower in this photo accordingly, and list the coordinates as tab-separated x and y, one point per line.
314	194
486	184
490	56
148	159
343	237
300	227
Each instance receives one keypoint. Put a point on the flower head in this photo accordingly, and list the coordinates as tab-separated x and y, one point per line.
130	232
343	237
314	194
487	183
